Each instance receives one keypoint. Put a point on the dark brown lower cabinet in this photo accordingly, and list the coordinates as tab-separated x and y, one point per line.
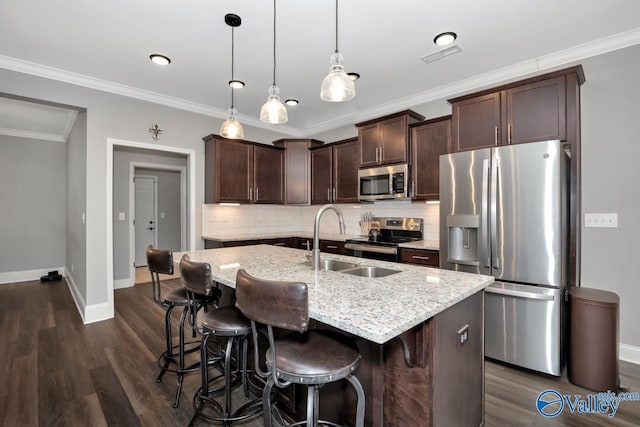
442	383
427	257
284	241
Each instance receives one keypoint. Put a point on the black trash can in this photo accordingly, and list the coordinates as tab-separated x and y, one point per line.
593	339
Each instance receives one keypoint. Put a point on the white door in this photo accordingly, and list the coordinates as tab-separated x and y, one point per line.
145	217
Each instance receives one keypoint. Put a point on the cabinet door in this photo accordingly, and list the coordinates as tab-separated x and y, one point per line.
345	172
321	175
476	122
393	138
297	176
536	112
234	171
268	175
428	143
369	139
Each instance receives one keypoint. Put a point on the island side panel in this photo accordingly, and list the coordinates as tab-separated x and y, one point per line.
458	380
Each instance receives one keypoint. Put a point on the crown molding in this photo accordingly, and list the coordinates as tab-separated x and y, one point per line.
494	77
51	73
486	80
32	135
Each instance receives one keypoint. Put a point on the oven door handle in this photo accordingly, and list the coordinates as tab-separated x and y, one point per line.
371	248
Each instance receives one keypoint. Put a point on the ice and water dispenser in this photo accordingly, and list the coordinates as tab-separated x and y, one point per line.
463	239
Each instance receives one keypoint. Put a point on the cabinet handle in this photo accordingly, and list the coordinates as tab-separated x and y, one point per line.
250	193
256	194
329	194
334	194
413	189
509	133
381	154
424	258
332	247
278	244
496	135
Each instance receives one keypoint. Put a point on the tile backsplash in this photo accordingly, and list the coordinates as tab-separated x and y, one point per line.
251	219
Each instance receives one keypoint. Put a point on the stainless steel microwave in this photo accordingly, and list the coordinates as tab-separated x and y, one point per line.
384	182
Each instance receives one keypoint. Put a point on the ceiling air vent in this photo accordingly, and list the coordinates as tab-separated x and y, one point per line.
441	54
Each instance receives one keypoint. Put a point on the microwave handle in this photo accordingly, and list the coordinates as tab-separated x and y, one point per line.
392	184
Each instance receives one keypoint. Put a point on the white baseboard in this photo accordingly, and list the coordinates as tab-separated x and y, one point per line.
123	283
75	293
27	275
629	353
98	312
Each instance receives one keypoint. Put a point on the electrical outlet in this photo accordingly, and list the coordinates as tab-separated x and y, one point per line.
120	216
592	220
462	336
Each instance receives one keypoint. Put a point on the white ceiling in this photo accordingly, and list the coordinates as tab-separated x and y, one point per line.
106	45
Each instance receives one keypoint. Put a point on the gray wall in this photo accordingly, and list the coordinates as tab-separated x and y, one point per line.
76	185
611	179
32	191
122	157
169	205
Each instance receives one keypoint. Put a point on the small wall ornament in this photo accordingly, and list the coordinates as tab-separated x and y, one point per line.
155	131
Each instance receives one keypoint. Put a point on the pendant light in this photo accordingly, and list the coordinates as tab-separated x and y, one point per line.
337	86
231	128
273	111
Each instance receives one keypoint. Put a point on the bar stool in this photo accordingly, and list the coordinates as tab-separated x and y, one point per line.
312	358
161	262
226	323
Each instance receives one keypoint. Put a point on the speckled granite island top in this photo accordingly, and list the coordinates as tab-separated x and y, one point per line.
376	309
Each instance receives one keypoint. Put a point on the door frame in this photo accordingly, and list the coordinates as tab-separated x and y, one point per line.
183	208
191	205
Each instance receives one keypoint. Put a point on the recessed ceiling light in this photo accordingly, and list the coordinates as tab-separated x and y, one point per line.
236	84
445	39
354	76
156	58
291	102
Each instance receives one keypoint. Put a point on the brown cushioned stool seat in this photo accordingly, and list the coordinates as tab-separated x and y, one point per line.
224	322
313	358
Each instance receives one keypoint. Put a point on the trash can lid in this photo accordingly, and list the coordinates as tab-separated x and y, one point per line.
594	296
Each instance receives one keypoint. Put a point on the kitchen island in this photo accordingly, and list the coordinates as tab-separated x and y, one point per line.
408	327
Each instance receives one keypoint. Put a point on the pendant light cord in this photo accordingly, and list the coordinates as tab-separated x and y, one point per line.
336	26
274	42
232	56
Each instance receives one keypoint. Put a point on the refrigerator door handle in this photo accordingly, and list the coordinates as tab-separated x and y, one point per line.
484	229
494	213
518	294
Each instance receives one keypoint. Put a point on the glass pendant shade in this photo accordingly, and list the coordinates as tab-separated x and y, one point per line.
231	128
337	86
273	111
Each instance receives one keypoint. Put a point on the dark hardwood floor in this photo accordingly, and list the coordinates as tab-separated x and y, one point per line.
58	372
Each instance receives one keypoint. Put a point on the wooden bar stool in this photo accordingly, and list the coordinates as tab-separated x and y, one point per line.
226	323
173	358
312	358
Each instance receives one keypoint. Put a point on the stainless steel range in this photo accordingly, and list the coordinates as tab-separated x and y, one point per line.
385	234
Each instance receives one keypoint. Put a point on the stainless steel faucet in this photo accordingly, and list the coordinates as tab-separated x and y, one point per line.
315	260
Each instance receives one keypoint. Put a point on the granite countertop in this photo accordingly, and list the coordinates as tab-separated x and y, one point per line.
420	244
377	309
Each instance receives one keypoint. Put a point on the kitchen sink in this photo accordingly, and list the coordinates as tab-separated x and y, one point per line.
370	272
334	265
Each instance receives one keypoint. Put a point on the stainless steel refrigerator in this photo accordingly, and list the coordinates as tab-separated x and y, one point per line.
503	212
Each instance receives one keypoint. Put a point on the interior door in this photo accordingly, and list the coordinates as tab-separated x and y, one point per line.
145	217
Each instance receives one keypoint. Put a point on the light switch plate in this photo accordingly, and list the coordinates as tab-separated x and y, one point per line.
601	220
120	216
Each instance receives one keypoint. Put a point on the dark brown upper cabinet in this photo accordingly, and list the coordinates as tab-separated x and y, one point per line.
429	140
297	169
385	140
527	111
334	172
238	171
